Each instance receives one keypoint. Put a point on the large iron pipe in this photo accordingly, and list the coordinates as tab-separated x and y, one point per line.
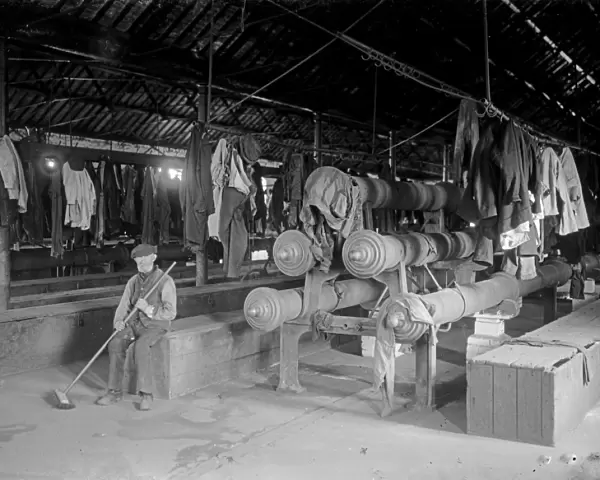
452	304
40	258
266	309
367	254
398	195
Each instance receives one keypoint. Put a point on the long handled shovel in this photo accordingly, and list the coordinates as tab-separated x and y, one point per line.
61	396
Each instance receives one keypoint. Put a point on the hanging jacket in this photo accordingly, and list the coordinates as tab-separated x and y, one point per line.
11	171
196	193
574	188
128	212
497	193
101	206
112	201
332	198
467	136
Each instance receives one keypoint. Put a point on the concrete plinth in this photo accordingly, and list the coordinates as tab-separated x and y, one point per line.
489	334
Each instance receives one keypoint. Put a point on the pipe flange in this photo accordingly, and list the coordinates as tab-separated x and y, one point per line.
405	330
364	254
292	254
263	310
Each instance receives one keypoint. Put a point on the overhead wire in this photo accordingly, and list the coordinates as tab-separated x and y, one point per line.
405	70
294	67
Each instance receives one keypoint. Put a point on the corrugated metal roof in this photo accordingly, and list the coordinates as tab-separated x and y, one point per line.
542	54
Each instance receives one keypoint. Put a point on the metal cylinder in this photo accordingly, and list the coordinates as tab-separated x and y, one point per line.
292	254
367	254
266	309
409	195
4	269
452	304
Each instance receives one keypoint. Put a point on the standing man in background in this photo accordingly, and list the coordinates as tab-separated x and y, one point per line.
146	328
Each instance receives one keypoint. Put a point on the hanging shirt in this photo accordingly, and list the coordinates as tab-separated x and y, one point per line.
218	169
574	188
13	176
80	196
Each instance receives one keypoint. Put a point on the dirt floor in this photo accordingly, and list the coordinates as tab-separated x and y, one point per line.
246	430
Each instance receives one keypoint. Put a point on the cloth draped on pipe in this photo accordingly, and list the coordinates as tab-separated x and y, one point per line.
80	197
412	307
57	248
331	202
13	176
196	193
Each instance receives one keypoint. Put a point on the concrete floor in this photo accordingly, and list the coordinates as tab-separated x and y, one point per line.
246	430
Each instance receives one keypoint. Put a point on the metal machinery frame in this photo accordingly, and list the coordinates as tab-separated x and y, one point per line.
380	264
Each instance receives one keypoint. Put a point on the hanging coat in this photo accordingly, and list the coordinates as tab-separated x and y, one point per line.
33	218
196	194
162	208
148	235
56	194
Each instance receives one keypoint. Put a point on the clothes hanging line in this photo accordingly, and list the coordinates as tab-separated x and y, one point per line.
388	63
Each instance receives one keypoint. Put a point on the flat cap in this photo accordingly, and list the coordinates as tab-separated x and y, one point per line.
143	250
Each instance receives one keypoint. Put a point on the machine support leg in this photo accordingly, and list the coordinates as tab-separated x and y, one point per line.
289	357
425	363
549	296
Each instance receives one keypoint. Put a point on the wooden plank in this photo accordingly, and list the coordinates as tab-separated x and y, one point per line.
529	405
480	399
505	403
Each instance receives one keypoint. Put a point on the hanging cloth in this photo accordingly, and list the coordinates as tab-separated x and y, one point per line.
196	193
33	218
232	231
11	170
57	248
80	196
128	213
101	206
162	208
148	235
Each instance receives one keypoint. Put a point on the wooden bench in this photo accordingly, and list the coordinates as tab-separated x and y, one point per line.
535	394
204	350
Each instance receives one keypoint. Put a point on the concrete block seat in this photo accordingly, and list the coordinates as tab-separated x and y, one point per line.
42	336
203	350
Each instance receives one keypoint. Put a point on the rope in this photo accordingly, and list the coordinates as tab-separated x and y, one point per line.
556	343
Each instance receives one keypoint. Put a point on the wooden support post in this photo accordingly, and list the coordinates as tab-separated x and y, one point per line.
318	141
425	363
201	257
550	297
4	231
